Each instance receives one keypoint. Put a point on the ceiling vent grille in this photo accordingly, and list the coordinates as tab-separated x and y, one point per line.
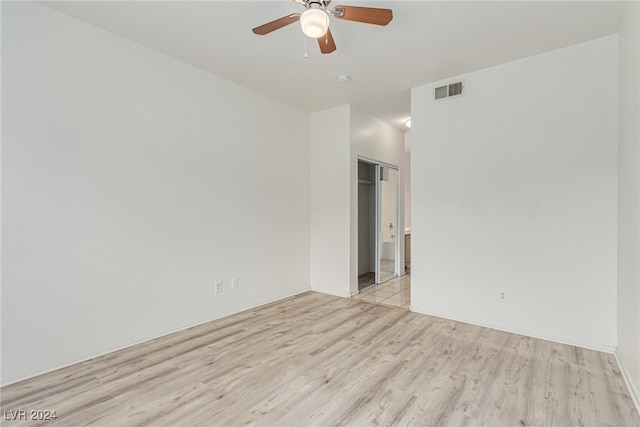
447	91
441	92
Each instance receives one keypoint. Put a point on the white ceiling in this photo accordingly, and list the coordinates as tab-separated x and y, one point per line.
426	41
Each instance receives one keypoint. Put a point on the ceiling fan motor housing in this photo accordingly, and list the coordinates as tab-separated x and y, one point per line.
321	4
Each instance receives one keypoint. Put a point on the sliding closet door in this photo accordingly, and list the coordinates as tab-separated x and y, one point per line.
387	223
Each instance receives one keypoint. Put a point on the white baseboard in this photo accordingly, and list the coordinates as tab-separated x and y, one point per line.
633	391
66	365
324	291
562	340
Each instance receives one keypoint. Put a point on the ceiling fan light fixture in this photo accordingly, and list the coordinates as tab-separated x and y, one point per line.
314	23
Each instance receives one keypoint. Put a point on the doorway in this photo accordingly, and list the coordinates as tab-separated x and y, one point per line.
378	237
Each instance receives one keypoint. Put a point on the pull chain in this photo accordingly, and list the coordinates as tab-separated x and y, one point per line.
305	55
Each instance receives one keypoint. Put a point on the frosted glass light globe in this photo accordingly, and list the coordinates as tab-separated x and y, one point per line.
314	23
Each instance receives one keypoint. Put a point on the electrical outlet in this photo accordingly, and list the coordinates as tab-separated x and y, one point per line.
218	286
503	296
235	283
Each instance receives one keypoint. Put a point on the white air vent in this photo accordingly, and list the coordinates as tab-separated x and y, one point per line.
441	92
447	91
455	89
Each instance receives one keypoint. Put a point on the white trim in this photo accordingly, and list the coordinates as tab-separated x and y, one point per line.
260	304
346	295
633	392
562	340
377	162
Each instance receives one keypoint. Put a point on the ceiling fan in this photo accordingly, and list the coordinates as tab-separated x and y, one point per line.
315	20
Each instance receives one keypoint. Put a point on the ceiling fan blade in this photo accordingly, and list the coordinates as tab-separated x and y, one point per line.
368	15
327	45
277	24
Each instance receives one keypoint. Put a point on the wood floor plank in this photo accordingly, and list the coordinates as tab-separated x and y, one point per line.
320	360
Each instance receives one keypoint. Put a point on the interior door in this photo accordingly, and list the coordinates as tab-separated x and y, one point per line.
387	246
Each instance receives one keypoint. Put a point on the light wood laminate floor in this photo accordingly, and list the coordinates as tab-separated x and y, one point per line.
319	360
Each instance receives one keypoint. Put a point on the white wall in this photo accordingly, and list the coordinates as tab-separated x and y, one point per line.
514	189
629	199
330	201
131	182
372	139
